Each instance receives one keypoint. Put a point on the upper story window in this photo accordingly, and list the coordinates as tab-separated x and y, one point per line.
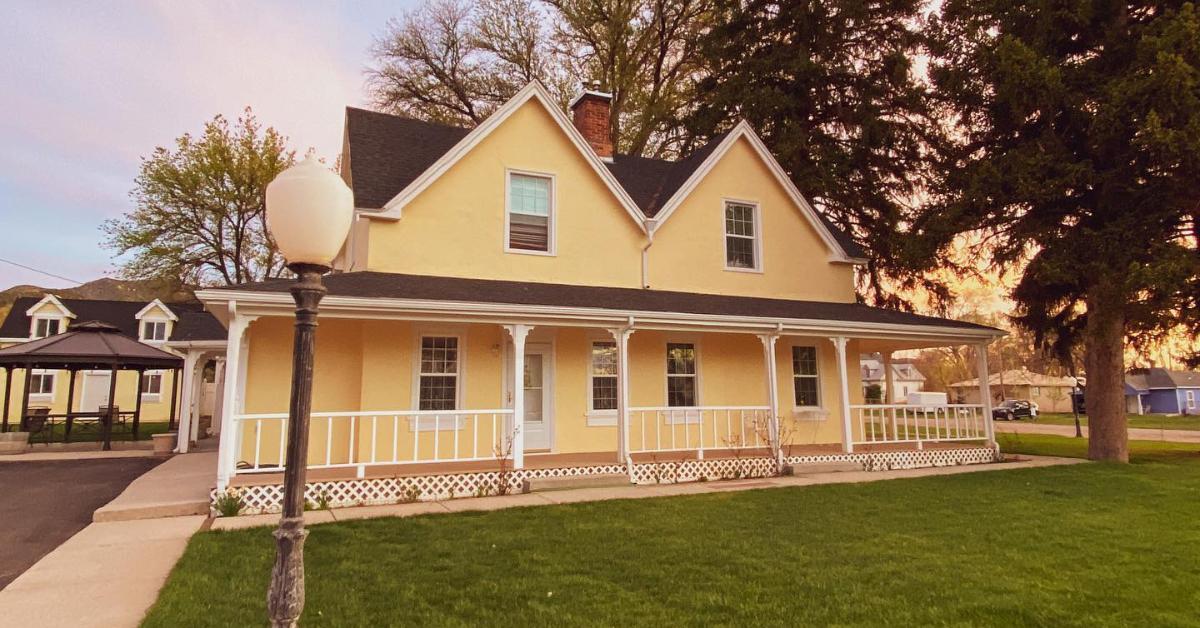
43	327
805	377
530	217
742	250
681	374
154	331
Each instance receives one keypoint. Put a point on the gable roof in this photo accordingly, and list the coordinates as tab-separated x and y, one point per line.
1158	377
53	300
194	323
534	91
392	158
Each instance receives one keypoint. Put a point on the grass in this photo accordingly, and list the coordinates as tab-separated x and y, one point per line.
1092	544
1151	421
90	432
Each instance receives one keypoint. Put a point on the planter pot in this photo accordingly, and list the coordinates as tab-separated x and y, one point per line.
164	444
14	443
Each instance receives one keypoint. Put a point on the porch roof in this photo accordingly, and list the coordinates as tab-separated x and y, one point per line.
621	301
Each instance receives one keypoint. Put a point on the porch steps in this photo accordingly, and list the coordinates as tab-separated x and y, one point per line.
823	467
601	480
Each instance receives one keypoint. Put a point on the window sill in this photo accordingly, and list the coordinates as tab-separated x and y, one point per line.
151	398
41	397
602	418
530	252
734	269
810	413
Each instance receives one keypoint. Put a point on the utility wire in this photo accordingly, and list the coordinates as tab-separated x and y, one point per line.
36	270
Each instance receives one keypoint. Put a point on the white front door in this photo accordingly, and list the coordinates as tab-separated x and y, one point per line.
539	395
95	391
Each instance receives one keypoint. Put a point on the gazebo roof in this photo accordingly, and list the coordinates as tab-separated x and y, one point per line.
93	345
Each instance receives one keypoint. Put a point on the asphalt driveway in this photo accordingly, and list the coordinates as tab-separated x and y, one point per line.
43	503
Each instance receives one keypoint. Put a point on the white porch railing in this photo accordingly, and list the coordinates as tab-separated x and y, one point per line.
901	423
697	428
362	439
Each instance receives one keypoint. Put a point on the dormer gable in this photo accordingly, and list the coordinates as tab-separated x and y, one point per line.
155	322
48	317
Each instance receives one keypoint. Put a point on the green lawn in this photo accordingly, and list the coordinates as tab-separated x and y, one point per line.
1152	421
90	432
1083	545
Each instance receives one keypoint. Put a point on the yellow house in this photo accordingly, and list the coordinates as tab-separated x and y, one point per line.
184	329
696	313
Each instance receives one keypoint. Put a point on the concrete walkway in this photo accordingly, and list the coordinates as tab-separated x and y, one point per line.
108	575
568	496
1135	433
41	456
175	488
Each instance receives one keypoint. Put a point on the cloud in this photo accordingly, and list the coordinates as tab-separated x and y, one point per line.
88	89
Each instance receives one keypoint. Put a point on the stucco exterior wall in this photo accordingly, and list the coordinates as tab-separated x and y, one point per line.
368	367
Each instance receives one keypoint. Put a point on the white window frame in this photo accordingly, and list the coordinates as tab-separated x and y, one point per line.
792	365
425	425
33	328
758	236
688	417
42	396
1190	397
154	397
600	418
551	218
166	327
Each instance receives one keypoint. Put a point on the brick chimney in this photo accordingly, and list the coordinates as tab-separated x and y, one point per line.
590	111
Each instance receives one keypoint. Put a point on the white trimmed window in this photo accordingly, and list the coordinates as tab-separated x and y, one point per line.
741	236
681	374
438	375
154	331
603	377
41	384
43	327
806	381
1191	399
530	217
152	383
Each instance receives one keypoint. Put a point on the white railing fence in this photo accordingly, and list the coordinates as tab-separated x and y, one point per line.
902	423
697	428
361	439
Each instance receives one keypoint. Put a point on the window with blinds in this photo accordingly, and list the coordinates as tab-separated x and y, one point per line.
529	212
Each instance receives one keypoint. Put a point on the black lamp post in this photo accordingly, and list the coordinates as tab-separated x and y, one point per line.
309	210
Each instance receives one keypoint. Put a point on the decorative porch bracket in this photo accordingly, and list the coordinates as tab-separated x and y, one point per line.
839	345
768	342
518	334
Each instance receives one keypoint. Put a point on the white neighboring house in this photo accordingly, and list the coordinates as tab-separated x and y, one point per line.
905	377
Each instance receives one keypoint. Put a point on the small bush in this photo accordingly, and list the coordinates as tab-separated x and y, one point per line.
229	503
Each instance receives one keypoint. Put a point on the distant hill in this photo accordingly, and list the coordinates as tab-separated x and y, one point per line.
104	288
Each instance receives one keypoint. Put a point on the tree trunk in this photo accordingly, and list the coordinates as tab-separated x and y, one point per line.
1104	358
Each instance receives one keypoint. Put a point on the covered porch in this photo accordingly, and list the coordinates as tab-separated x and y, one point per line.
404	394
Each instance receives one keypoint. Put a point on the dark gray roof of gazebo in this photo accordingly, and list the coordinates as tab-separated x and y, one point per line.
92	345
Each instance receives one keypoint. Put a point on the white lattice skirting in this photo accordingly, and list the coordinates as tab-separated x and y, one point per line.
379	491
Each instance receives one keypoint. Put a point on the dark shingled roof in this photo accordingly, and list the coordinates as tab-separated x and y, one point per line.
388	152
1158	377
423	287
194	323
90	344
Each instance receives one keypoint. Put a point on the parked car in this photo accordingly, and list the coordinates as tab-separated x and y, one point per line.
1012	409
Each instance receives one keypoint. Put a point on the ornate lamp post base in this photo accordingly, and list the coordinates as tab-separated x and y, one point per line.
285	597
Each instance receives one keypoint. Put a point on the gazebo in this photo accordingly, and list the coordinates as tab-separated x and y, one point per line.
90	345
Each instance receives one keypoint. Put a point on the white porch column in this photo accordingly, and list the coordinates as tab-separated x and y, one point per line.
768	342
231	399
839	345
186	377
621	337
518	333
219	392
889	380
985	393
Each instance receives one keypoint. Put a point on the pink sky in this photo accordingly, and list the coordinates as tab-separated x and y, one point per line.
88	88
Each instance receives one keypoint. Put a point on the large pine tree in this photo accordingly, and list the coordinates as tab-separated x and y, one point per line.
1080	152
